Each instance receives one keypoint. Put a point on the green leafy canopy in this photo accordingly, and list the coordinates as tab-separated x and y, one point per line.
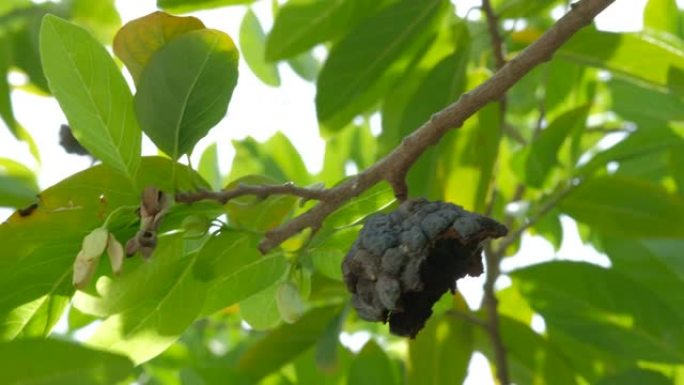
586	149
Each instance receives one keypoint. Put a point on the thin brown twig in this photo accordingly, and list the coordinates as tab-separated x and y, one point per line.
261	191
493	261
394	166
494	35
547	206
491	305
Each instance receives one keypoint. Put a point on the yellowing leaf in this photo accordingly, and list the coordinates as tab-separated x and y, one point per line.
138	40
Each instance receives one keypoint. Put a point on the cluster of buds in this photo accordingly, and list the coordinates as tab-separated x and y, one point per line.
94	245
153	206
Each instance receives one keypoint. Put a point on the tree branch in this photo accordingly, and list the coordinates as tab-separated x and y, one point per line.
494	35
394	166
261	191
492	260
547	206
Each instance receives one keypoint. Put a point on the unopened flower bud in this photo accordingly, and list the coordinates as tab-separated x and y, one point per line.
116	254
289	302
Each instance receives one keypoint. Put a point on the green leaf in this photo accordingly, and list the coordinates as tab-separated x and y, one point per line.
362	66
327	355
99	17
138	40
532	359
396	109
41	241
605	309
476	147
290	303
185	89
26	47
305	65
655	264
636	377
328	248
513	9
36	318
543	154
54	362
276	158
630	55
9	5
372	200
308	373
260	311
284	343
235	270
92	92
253	46
440	353
258	214
149	318
6	112
371	366
626	207
18	186
78	319
208	167
646	105
183	6
662	15
301	24
635	147
677	167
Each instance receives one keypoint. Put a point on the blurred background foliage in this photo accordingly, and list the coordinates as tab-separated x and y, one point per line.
592	137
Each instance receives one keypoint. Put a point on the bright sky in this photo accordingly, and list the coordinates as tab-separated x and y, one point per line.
259	110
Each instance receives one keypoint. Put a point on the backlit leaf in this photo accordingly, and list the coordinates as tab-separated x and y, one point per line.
626	207
149	318
604	308
92	92
543	155
235	270
301	24
18	186
356	73
440	353
253	47
195	5
41	241
640	57
276	158
260	311
662	15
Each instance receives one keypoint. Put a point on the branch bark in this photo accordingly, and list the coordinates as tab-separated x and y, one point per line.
395	165
260	191
493	260
494	35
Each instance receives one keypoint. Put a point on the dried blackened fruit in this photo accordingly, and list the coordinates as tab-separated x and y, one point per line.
404	261
69	142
